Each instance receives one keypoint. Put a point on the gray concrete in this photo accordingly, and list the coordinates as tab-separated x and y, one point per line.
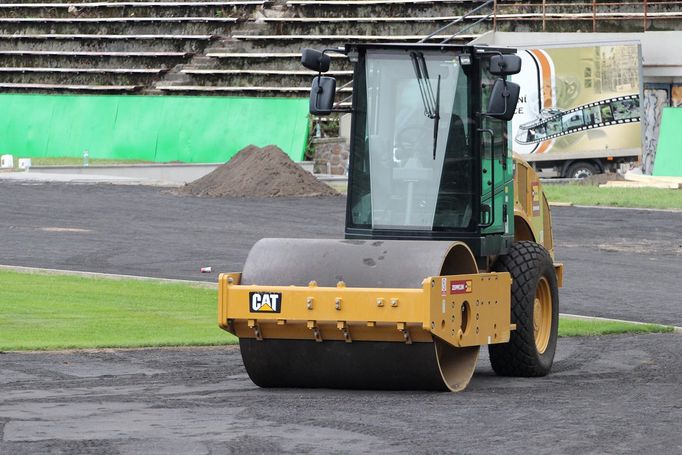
168	173
173	173
338	182
31	177
610	395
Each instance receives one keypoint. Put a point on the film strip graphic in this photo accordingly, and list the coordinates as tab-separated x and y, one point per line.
555	123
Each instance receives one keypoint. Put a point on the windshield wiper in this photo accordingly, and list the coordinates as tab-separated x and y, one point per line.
436	119
431	101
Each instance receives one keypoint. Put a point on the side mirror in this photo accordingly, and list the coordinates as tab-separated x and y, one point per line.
322	95
315	60
503	99
505	65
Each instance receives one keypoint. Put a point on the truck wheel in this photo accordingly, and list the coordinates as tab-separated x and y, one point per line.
534	310
581	170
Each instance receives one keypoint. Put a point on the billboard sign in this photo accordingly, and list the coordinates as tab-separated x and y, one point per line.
578	101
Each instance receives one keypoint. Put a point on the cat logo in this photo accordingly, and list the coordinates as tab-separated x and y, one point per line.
460	287
265	302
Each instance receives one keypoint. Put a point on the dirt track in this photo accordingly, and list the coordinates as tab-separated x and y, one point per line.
608	395
616	394
619	263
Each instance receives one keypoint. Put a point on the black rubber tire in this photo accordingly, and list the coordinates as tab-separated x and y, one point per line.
526	262
581	170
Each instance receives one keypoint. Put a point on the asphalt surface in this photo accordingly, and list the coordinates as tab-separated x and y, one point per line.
623	264
610	395
606	395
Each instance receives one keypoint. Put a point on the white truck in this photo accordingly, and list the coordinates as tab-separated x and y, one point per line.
580	107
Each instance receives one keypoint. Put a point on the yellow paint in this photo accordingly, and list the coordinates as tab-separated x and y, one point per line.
532	210
409	315
529	204
474	310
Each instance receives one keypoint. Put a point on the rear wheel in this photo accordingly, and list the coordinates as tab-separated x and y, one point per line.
535	311
581	170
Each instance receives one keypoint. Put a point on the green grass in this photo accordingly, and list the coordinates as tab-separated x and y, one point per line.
615	197
580	328
63	312
654	198
39	312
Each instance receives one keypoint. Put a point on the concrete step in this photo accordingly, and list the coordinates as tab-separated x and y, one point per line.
267	60
89	42
75	77
258	91
119	26
396	26
383	8
243	9
18	58
259	78
66	88
294	43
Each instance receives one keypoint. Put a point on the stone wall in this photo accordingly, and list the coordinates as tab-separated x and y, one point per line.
331	156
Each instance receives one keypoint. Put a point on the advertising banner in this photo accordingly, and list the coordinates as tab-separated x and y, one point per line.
578	101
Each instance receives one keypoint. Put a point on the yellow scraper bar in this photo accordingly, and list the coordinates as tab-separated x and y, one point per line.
464	310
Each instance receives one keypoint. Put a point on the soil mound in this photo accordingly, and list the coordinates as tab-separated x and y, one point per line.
600	179
258	172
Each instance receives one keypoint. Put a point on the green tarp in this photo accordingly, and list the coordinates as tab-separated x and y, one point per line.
153	128
669	150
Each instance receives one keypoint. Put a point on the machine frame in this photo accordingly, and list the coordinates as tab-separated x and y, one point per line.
363	312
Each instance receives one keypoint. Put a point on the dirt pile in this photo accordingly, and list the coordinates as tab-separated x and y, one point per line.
600	179
258	172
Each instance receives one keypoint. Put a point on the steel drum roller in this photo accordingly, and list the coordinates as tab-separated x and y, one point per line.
361	364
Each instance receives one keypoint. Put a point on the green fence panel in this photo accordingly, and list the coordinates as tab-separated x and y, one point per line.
190	129
669	150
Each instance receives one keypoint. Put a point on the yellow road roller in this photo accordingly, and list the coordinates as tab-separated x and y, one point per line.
448	237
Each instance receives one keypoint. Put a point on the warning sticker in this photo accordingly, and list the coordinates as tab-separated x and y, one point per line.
444	286
535	193
265	302
460	287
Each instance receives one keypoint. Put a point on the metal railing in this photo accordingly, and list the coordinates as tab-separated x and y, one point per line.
595	11
471	13
549	12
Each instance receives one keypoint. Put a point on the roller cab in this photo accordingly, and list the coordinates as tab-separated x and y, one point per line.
446	247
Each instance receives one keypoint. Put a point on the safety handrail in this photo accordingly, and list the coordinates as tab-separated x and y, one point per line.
456	21
492	176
